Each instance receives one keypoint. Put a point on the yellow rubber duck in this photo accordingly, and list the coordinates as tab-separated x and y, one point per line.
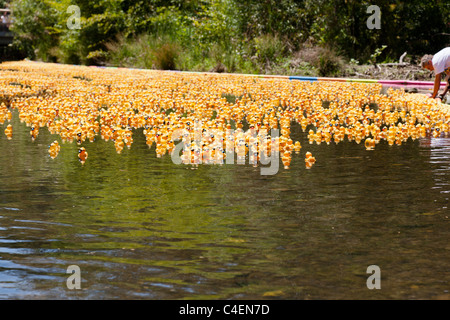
82	155
9	132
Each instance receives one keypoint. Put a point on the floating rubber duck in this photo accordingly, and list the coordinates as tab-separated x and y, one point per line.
128	140
369	143
311	136
9	132
309	160
297	147
119	144
436	132
82	155
54	149
34	132
286	159
118	103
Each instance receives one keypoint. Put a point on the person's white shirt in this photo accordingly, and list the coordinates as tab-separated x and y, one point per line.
441	61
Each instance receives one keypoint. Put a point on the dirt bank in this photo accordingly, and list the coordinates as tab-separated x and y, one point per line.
388	72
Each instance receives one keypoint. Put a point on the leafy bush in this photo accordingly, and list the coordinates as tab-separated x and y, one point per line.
34	23
165	56
328	63
269	48
247	36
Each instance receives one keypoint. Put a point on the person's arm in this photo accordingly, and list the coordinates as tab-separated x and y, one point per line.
437	84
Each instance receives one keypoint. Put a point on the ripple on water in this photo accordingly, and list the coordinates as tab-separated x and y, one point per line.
142	227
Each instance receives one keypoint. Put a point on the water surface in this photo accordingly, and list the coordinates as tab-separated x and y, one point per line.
140	227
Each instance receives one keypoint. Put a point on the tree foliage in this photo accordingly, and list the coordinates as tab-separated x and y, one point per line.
262	30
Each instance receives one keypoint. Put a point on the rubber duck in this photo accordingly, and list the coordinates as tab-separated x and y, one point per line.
117	103
34	132
369	143
82	155
309	160
119	144
311	136
54	149
128	139
286	159
9	132
297	147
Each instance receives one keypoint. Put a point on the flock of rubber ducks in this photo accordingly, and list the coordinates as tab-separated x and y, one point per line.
212	114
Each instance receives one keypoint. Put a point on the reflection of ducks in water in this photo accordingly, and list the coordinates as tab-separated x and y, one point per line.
9	132
436	133
309	160
34	132
369	143
286	159
311	136
106	133
318	137
289	146
128	140
391	135
5	114
82	155
80	138
327	136
170	147
118	143
54	149
297	147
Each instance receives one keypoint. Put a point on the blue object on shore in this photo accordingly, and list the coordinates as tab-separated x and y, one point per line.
312	79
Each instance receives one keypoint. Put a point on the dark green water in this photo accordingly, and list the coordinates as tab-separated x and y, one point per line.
140	227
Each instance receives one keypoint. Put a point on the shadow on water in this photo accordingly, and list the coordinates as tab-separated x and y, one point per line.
140	227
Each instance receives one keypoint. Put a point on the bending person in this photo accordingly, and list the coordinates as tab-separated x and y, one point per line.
440	64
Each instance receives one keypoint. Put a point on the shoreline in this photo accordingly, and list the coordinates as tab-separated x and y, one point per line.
385	81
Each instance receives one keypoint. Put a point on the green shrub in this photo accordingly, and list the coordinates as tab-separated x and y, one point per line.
165	56
269	48
328	63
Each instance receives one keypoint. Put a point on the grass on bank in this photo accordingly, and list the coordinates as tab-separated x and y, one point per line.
263	55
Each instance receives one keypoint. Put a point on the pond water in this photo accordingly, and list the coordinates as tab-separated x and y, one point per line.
141	227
